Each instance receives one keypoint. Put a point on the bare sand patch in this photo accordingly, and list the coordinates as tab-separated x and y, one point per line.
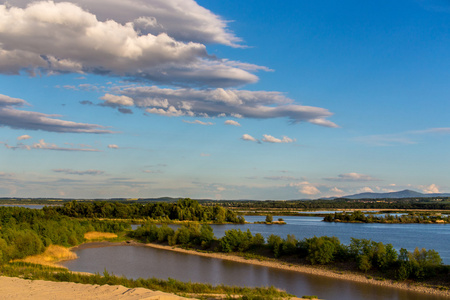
16	288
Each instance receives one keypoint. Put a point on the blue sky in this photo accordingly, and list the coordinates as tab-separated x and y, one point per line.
223	99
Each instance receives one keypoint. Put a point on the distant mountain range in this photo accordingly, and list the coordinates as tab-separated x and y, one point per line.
393	195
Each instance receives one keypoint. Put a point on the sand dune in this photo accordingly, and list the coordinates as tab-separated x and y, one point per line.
16	288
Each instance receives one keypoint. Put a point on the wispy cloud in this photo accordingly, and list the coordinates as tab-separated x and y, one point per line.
199	122
75	172
352	177
42	145
281	178
20	119
404	138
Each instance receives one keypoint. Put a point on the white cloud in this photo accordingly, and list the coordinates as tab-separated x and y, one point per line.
352	177
46	146
20	119
74	172
304	187
442	130
220	103
121	48
115	101
337	191
232	122
247	137
152	172
365	190
156	16
282	178
199	122
385	140
430	189
309	190
270	139
403	138
24	137
169	112
113	146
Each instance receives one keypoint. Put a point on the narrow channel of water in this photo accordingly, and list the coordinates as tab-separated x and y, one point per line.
146	262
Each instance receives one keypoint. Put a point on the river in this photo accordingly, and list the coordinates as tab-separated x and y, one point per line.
145	262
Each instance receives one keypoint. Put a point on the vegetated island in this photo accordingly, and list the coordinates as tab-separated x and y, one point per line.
412	217
26	232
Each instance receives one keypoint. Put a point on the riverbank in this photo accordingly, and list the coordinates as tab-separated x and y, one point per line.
320	271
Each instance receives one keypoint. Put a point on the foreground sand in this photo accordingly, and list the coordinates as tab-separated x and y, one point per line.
16	288
310	270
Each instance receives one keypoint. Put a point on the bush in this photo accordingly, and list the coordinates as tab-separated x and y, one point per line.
322	250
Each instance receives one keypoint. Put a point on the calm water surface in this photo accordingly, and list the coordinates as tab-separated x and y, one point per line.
408	236
145	262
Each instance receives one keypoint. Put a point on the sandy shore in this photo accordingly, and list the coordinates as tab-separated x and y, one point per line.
16	288
309	270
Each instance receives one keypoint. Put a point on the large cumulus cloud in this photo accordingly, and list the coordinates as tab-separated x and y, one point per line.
160	16
63	37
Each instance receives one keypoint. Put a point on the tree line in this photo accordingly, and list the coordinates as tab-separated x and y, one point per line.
182	210
358	216
339	203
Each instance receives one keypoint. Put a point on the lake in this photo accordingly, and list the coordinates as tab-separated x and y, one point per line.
408	236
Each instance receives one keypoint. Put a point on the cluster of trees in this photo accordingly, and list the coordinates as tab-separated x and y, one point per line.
358	216
365	254
26	231
342	203
192	234
183	210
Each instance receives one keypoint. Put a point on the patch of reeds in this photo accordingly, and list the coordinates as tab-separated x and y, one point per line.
50	256
96	235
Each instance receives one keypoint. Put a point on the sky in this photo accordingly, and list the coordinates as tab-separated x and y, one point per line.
229	99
